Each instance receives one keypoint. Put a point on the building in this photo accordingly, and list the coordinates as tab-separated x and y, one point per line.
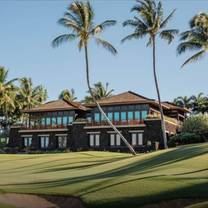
70	125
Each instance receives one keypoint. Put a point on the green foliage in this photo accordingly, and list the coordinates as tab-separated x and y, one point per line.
195	124
199	205
184	138
68	95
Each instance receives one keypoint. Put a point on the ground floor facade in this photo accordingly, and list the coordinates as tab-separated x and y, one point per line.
80	137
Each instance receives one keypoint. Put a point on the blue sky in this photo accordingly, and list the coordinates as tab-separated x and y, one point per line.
28	27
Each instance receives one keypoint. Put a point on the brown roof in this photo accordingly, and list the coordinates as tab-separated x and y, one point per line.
58	105
126	98
172	106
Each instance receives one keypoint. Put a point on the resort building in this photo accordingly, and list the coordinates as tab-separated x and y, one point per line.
71	125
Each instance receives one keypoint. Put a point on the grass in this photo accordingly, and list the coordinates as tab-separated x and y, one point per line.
105	179
5	206
199	205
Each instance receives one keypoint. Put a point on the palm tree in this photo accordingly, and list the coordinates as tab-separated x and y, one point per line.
151	23
184	102
7	95
68	95
79	19
100	91
30	96
195	39
199	103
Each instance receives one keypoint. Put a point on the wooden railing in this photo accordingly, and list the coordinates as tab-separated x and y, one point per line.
44	127
116	123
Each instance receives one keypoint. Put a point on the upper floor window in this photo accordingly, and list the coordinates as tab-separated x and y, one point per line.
110	116
70	119
144	115
65	120
130	115
97	117
123	116
48	121
116	116
137	115
59	120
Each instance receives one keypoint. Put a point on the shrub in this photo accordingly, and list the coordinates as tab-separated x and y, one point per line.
195	124
185	138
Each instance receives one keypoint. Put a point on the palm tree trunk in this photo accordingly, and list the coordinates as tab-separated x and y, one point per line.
158	94
99	107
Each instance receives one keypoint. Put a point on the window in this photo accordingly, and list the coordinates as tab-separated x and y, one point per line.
53	121
137	115
94	140
123	116
59	120
103	117
137	139
65	120
62	142
144	115
44	142
110	116
27	141
130	115
115	140
48	121
70	119
97	117
43	121
116	116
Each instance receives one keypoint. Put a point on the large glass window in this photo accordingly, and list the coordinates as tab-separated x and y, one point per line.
43	121
62	142
44	142
115	140
65	120
144	115
59	120
27	141
137	115
48	121
130	115
110	116
123	116
53	121
70	119
97	117
116	116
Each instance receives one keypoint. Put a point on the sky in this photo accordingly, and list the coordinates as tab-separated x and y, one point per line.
27	28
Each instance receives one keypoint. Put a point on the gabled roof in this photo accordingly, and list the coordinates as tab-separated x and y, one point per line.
57	105
128	97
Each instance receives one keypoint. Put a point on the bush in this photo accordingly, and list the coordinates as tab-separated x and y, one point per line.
195	124
185	138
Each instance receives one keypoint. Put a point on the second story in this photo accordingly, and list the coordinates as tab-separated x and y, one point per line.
54	114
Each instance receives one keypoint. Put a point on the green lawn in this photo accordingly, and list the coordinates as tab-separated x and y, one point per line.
199	205
105	179
5	206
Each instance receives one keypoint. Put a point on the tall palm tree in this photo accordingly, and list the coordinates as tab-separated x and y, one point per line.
195	39
8	93
151	22
184	102
68	95
30	96
79	19
199	103
100	91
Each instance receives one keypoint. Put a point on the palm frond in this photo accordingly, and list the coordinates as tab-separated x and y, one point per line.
102	26
195	57
63	38
106	45
135	35
188	45
169	17
69	24
169	35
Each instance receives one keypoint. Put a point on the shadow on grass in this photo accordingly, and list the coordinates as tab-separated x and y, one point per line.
195	191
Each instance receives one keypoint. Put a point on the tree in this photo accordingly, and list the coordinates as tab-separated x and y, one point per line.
100	91
68	95
184	102
30	96
195	39
151	22
79	19
8	93
199	103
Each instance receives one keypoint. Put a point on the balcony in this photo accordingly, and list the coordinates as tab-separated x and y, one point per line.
41	127
116	123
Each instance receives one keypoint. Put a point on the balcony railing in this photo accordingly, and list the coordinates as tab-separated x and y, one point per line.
116	123
44	127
